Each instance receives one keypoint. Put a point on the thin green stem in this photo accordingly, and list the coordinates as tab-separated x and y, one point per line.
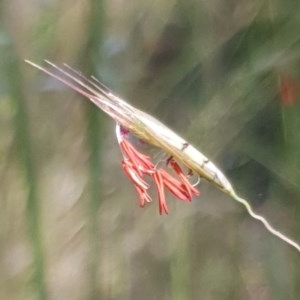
95	197
30	180
180	263
90	57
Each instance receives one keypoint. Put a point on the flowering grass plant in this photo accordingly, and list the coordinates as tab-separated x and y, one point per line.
139	166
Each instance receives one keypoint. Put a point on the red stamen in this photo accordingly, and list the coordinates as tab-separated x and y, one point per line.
136	165
143	196
140	160
174	186
140	185
187	185
161	195
131	173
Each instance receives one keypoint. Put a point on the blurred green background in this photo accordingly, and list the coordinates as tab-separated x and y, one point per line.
224	74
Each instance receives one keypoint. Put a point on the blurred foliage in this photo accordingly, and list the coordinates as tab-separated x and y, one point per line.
224	74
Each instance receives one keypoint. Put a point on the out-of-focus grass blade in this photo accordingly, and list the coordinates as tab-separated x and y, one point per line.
22	135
